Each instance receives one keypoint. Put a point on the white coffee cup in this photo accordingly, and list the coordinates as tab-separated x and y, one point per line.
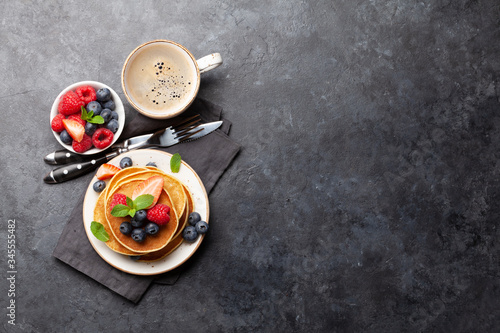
161	78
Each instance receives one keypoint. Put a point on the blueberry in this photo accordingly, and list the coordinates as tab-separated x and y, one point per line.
113	125
109	105
125	162
194	218
103	95
65	137
201	227
106	115
95	107
138	235
152	228
90	128
114	114
140	217
135	223
189	233
99	186
153	164
126	228
134	258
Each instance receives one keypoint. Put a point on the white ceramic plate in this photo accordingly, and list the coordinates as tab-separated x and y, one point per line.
118	108
122	262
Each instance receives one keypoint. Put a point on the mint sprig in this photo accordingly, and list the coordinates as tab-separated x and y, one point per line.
175	163
89	117
132	206
98	231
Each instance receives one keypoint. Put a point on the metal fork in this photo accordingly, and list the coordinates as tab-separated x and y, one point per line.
169	136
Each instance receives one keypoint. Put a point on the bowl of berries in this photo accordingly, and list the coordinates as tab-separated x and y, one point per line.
87	117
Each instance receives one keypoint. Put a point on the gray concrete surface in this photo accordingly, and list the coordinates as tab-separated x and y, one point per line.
366	194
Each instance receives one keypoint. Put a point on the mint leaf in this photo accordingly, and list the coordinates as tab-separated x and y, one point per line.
131	212
84	113
143	201
96	120
120	210
98	231
130	203
175	163
89	117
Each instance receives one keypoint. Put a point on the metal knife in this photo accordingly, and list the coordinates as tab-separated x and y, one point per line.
87	163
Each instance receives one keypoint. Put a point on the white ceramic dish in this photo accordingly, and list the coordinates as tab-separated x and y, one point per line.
122	262
118	108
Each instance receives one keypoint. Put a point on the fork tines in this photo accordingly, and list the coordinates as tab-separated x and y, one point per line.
184	129
188	134
185	123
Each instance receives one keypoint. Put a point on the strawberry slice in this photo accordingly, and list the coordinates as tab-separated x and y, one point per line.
106	171
74	128
78	118
153	185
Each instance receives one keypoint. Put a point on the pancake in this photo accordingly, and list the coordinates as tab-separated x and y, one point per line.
124	173
151	243
177	240
112	243
189	209
157	255
172	185
175	194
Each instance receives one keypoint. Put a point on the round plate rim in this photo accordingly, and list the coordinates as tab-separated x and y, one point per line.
195	245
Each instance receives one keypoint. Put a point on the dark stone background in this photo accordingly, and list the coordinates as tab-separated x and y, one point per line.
366	193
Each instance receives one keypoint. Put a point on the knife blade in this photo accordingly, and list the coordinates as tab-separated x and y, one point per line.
85	164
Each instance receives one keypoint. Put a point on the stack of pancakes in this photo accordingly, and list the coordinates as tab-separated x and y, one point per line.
174	194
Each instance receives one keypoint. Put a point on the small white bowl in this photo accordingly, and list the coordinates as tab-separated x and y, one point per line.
118	108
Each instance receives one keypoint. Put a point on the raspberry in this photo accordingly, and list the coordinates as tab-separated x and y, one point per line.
84	145
86	94
70	103
118	198
102	138
78	118
159	214
57	124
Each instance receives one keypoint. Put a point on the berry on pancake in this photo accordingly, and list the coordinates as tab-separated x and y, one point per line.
118	199
159	214
153	185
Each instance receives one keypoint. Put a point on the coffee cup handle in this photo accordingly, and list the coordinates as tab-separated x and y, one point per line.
209	62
